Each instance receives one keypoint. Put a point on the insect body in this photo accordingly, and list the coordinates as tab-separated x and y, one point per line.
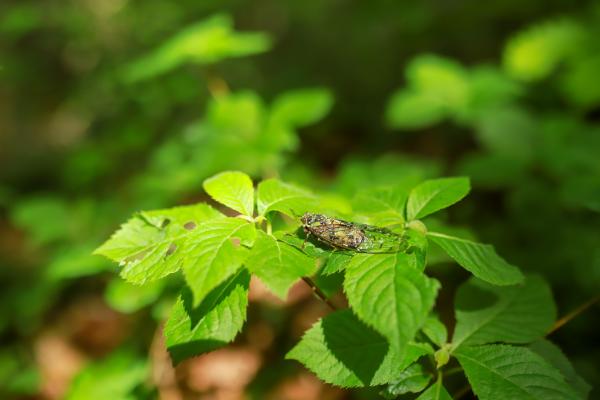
349	235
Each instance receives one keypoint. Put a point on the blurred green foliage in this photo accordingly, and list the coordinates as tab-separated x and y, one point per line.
111	107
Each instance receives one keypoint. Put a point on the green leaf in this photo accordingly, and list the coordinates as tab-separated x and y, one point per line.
508	372
435	194
151	244
435	392
537	51
514	314
113	378
302	107
337	261
435	330
205	42
390	294
215	252
479	259
278	264
412	380
193	330
408	109
44	218
437	88
127	298
274	195
342	350
233	189
553	355
383	206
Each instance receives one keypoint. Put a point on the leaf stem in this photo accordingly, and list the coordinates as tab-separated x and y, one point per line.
562	321
269	227
319	292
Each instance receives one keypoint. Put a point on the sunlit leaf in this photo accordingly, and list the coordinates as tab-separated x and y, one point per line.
388	293
479	259
233	189
278	264
434	195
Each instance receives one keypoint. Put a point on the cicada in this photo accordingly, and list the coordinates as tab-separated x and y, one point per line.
351	236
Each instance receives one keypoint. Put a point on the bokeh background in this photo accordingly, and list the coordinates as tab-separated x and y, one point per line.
113	106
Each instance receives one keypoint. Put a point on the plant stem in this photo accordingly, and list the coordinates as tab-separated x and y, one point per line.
573	314
269	228
453	371
319	292
463	391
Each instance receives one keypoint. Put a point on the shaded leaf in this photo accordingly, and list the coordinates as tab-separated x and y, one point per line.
508	372
342	350
412	380
514	314
435	392
554	355
193	330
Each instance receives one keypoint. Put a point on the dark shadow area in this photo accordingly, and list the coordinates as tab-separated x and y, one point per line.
356	345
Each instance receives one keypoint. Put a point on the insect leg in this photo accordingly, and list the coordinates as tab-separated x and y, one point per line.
305	239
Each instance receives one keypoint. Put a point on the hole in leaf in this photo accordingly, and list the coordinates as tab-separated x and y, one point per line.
171	249
190	225
236	241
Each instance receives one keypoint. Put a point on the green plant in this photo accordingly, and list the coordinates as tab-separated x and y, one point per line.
389	337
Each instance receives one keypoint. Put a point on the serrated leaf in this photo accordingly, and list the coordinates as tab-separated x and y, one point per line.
434	195
383	206
435	330
337	261
216	321
513	314
215	252
342	350
508	372
151	244
435	392
278	264
479	259
554	355
274	195
233	189
390	294
412	380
